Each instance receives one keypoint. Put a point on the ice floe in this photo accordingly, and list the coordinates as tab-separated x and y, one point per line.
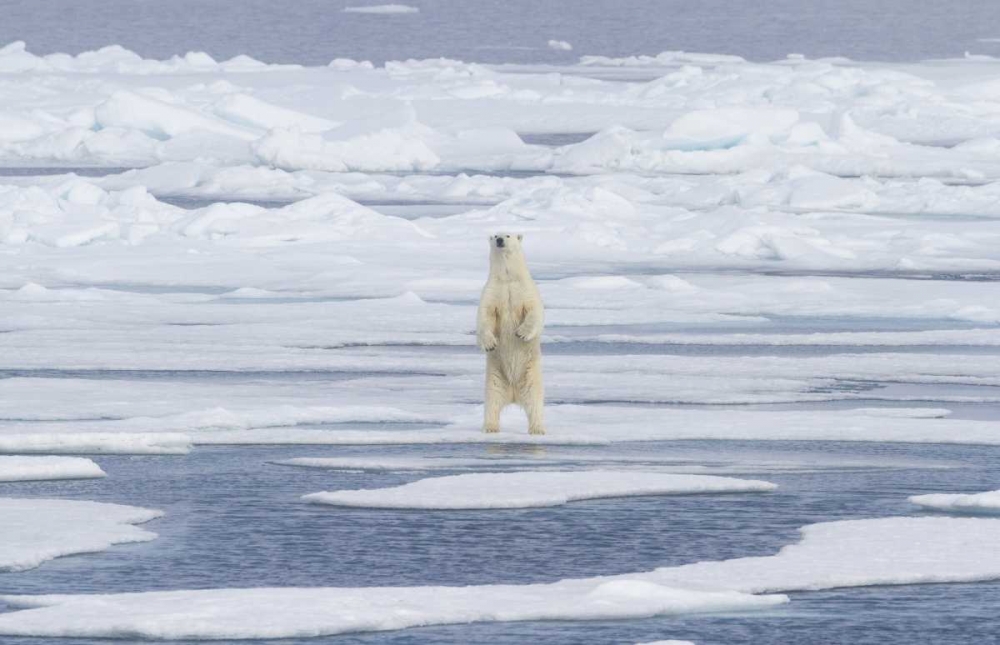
532	489
298	612
14	469
851	553
987	503
36	530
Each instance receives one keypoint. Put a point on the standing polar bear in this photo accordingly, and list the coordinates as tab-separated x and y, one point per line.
509	329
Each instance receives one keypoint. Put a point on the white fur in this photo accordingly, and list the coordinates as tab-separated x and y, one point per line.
509	330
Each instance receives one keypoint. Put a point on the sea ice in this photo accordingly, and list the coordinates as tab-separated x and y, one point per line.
304	612
532	489
898	550
109	443
852	553
987	503
36	530
40	468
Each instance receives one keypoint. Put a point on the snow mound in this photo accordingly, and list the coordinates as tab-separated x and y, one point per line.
987	503
42	468
36	530
532	489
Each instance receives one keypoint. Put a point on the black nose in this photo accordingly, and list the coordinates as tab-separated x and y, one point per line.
499	242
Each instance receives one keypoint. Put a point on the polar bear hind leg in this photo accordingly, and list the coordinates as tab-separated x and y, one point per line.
498	396
531	397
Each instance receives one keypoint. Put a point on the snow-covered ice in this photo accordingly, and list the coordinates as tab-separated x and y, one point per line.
14	469
69	441
607	424
297	612
36	530
532	489
851	553
987	503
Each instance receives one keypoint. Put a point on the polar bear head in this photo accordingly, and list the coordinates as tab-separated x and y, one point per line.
506	252
506	243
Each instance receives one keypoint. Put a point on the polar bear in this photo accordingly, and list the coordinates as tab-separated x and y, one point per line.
509	329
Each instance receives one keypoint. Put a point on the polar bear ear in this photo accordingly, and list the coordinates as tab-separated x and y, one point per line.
520	237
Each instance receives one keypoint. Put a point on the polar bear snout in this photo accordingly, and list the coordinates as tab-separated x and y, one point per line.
499	242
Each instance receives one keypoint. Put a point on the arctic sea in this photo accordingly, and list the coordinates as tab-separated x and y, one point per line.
313	32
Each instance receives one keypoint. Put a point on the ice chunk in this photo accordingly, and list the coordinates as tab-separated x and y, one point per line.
38	468
532	489
36	530
987	503
159	119
247	110
560	45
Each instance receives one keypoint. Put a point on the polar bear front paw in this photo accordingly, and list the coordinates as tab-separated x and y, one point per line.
488	342
491	429
526	334
536	431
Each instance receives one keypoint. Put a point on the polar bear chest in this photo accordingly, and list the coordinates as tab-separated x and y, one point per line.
510	308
